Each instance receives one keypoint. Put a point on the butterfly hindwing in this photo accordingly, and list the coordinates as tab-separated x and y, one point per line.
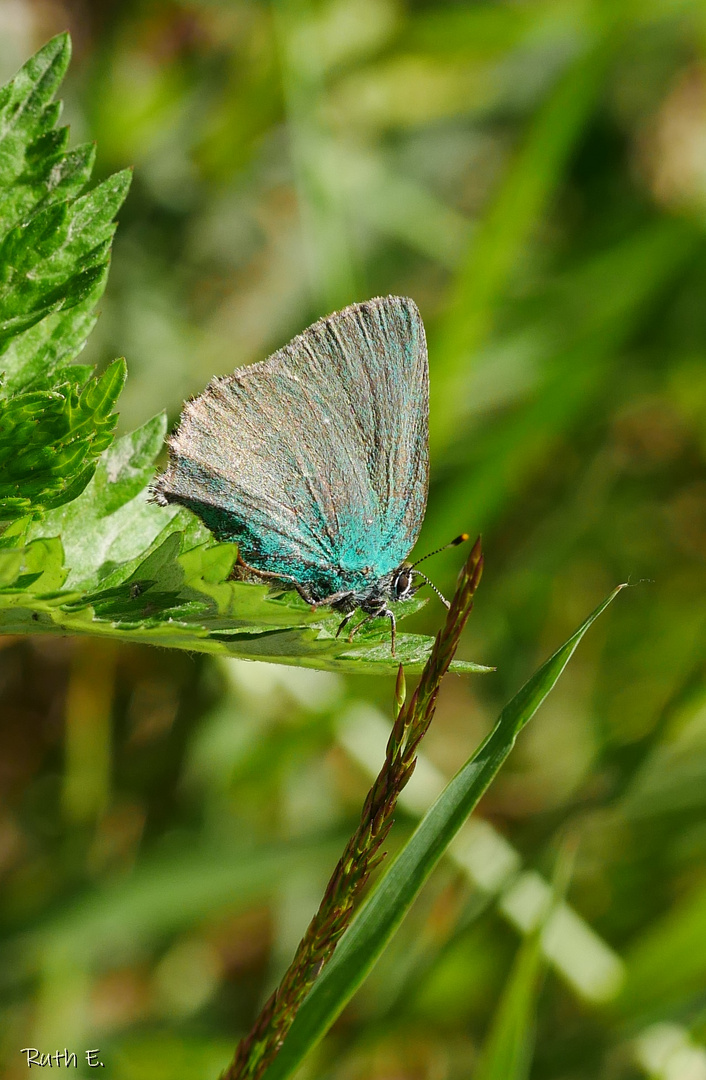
316	460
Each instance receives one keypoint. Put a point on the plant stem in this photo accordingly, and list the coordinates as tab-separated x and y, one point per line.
362	853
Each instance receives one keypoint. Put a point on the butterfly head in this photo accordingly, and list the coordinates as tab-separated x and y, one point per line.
404	582
402	585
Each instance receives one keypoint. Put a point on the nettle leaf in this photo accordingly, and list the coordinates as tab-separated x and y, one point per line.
57	257
32	154
50	439
84	549
112	562
55	418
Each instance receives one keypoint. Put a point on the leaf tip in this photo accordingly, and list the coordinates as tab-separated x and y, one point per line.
58	52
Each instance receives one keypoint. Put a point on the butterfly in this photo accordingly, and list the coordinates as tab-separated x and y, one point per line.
316	461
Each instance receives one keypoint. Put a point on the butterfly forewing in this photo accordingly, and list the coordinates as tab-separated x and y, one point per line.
316	460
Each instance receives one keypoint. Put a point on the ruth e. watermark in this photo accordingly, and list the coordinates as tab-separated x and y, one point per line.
60	1059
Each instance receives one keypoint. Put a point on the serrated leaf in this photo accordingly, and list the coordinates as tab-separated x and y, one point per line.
54	258
154	574
50	441
54	251
29	152
112	522
35	356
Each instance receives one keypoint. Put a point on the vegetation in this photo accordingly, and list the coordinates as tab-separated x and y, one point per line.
530	174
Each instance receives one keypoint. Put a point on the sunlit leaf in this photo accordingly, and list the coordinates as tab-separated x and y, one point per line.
55	420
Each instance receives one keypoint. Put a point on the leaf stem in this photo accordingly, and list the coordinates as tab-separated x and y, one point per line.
362	853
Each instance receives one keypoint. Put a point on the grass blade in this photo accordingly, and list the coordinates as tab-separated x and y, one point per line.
507	1051
509	1045
378	920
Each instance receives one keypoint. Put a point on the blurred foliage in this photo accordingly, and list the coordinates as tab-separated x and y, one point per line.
533	175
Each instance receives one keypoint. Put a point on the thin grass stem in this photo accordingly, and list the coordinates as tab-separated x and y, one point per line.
362	853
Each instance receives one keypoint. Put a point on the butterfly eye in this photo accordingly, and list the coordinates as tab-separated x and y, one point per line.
403	583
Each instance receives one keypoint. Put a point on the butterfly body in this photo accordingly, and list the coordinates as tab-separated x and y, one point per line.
315	461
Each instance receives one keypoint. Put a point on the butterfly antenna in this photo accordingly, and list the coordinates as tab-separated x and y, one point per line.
461	539
418	573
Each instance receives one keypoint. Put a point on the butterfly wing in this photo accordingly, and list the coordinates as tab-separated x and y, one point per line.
315	460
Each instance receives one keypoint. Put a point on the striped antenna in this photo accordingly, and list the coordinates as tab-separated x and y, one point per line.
453	543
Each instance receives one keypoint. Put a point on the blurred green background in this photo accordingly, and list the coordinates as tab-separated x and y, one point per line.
534	174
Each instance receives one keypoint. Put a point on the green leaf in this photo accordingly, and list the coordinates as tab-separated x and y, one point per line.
50	441
32	163
387	905
32	357
54	251
55	258
118	565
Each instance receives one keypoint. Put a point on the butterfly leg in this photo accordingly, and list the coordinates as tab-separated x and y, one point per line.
345	621
340	601
266	575
385	613
393	629
363	622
